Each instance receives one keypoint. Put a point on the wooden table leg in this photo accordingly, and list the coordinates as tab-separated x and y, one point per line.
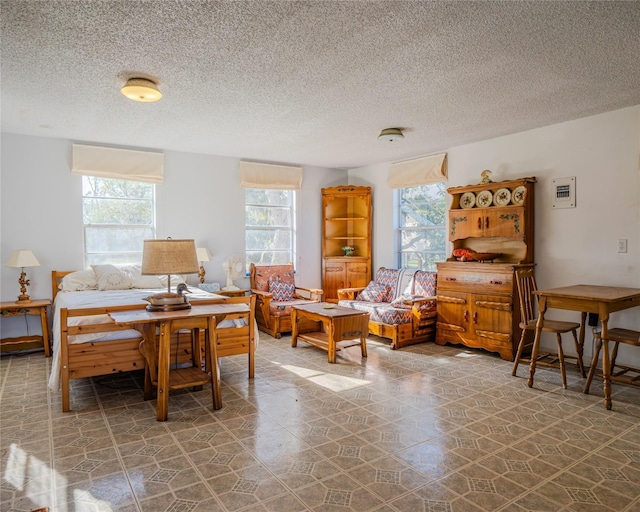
211	353
148	349
44	322
294	327
331	340
163	371
363	337
606	361
583	321
542	307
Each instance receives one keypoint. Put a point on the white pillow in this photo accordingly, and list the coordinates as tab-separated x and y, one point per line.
110	277
175	280
140	281
79	281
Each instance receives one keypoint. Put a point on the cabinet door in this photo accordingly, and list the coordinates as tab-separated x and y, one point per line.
453	316
357	274
465	224
491	316
334	279
504	221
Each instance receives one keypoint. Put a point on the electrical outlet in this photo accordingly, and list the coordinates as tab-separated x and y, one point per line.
622	245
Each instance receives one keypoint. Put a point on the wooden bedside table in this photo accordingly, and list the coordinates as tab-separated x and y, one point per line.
34	307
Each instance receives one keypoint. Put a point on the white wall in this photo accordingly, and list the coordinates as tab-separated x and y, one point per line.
200	198
573	246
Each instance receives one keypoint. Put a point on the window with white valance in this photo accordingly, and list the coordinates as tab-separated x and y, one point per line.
118	201
420	197
270	211
119	164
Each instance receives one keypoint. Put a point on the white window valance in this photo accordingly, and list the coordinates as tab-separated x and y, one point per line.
120	164
420	171
257	175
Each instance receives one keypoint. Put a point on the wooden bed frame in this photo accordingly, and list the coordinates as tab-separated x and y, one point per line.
92	359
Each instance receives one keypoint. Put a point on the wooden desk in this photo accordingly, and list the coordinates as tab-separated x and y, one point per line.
198	317
585	298
343	327
33	307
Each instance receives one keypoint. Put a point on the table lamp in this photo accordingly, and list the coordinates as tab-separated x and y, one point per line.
20	259
166	257
203	255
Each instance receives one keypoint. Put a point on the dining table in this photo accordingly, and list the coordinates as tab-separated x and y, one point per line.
157	349
585	298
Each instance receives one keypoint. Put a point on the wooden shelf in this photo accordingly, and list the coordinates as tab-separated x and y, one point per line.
346	220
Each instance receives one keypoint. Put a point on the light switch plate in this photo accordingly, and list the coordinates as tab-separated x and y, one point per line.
622	245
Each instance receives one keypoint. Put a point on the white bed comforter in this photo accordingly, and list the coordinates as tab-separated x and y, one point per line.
95	298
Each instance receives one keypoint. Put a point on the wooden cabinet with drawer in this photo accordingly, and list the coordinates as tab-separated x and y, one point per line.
478	306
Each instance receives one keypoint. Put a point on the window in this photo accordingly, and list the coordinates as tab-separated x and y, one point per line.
422	226
270	226
117	216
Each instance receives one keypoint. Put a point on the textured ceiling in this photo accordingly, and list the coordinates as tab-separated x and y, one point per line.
312	82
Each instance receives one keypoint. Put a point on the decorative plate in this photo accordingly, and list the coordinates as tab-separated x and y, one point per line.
484	199
468	200
502	197
517	196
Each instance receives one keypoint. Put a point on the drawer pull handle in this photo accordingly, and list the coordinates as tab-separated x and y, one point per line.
466	315
450	279
479	222
475	317
495	282
486	223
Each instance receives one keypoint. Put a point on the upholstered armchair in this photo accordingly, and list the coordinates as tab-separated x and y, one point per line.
276	292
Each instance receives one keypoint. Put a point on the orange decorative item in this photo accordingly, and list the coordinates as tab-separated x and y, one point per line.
463	254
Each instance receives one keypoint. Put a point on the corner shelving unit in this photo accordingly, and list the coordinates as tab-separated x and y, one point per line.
346	221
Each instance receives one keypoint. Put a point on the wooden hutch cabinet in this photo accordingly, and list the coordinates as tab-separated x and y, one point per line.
478	302
346	222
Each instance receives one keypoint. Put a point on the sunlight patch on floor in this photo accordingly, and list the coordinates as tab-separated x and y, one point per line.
329	381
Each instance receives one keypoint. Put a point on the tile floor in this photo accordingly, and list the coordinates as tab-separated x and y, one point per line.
426	428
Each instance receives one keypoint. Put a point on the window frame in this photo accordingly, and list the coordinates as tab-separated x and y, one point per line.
293	209
135	256
400	228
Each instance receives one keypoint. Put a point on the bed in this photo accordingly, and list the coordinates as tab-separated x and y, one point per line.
87	343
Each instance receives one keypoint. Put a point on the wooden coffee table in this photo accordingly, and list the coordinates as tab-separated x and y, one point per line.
341	327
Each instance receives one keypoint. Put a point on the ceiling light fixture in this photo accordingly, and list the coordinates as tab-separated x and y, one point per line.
391	134
141	89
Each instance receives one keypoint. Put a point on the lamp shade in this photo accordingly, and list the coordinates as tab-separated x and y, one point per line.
161	257
203	254
22	258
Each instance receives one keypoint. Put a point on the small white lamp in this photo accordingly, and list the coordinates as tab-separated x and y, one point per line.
203	255
20	259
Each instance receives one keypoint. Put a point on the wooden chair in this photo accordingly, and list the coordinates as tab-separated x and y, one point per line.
526	285
276	292
619	373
